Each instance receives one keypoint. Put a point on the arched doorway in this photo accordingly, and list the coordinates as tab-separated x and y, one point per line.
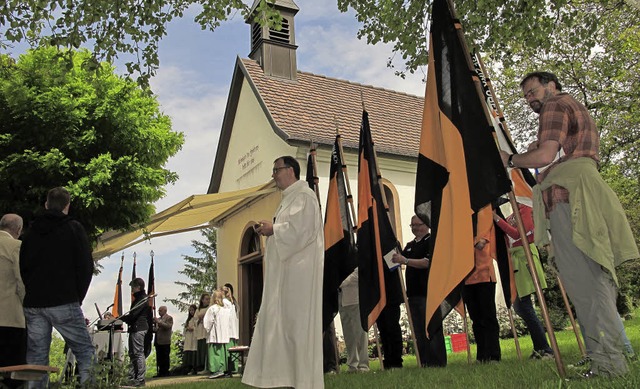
391	194
250	279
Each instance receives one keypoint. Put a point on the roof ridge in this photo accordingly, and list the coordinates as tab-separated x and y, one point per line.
347	81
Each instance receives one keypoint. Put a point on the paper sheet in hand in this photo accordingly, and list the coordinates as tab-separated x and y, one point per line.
387	258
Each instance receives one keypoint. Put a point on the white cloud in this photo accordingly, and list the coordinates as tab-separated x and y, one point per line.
196	108
335	51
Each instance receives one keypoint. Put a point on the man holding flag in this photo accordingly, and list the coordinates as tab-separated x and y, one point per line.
589	229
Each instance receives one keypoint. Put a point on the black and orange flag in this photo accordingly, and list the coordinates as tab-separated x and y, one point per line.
459	167
151	286
133	271
376	237
339	240
521	179
116	310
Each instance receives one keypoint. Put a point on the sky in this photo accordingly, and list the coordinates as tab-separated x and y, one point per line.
192	85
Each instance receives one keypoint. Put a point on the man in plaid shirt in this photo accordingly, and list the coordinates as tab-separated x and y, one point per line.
589	229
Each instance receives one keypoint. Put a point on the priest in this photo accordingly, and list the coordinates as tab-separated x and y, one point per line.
286	350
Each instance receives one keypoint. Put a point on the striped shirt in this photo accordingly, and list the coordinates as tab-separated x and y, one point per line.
564	120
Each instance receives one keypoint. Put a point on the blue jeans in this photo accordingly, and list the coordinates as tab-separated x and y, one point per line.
136	355
524	308
68	320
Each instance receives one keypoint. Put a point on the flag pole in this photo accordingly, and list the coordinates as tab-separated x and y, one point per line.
352	208
521	230
465	327
572	318
316	189
515	334
402	284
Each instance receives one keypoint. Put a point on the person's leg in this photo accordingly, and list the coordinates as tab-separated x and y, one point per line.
13	351
351	329
138	363
480	300
417	306
627	349
593	293
436	348
217	364
38	342
391	335
163	352
69	321
202	353
524	308
13	346
329	351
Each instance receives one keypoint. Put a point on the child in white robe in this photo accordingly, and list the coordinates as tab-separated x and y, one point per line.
217	321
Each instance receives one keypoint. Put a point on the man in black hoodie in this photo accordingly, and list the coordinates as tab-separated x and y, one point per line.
56	267
137	320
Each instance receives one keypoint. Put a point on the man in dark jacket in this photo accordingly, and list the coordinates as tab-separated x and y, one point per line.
137	320
56	267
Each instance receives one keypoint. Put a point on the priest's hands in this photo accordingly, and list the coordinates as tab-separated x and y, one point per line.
264	227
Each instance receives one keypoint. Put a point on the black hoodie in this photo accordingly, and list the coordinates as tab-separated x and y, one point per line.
55	261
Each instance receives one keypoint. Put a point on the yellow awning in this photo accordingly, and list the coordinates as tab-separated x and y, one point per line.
193	213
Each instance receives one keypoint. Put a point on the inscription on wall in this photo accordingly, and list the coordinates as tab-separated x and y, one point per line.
249	162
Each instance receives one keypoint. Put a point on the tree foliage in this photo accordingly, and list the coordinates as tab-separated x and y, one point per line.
113	28
98	134
202	271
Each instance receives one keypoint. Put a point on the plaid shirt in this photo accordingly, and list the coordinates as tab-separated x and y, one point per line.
566	121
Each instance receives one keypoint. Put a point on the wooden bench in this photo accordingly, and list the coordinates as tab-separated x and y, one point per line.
26	372
237	354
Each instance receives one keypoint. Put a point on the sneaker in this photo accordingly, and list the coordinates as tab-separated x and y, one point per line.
581	363
542	354
203	372
216	375
587	375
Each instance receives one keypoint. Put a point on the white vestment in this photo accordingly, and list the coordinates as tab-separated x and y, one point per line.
217	322
286	349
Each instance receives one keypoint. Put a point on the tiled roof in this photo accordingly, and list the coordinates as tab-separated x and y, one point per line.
312	106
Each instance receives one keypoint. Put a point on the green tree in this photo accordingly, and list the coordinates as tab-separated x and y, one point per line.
504	29
97	133
113	28
202	270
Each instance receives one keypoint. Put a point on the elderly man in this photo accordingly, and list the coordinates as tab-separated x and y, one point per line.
589	229
286	349
164	324
13	339
56	267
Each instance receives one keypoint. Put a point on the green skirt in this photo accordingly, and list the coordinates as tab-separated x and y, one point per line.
218	356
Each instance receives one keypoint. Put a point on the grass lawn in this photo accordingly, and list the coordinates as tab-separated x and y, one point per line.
509	373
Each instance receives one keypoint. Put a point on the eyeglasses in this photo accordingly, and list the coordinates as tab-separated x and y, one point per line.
531	91
416	225
275	169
